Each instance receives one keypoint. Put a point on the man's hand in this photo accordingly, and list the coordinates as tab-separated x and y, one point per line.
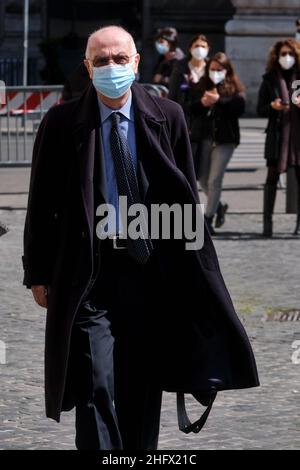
210	98
279	106
170	55
40	295
297	101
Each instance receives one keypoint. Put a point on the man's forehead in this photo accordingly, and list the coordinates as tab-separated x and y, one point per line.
106	44
105	51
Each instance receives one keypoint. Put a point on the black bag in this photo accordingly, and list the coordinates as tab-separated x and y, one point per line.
184	423
193	359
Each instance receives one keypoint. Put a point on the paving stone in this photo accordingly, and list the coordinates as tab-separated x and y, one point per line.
260	274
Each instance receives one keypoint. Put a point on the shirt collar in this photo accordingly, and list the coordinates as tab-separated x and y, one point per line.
126	110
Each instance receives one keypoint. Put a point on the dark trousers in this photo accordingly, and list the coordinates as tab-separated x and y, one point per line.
273	175
117	401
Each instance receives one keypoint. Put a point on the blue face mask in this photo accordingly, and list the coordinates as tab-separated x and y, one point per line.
113	81
162	48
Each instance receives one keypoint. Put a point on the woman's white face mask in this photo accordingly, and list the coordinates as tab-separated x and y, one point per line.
199	52
217	76
287	61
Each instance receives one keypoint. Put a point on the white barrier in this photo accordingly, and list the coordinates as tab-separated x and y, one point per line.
21	111
20	114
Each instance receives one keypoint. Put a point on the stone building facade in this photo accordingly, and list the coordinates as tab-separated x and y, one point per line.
255	27
58	30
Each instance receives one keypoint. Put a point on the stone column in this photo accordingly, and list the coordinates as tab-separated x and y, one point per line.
255	27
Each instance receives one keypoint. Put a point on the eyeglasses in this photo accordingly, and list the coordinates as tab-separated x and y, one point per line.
118	59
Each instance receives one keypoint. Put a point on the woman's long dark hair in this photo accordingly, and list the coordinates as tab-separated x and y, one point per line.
194	39
231	85
274	53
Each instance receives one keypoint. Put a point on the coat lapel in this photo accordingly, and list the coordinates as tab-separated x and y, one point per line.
86	132
149	121
153	155
153	143
102	185
143	180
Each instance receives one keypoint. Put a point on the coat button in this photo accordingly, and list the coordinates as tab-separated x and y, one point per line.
83	234
56	215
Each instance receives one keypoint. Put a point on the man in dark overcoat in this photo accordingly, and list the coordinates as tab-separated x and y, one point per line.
126	319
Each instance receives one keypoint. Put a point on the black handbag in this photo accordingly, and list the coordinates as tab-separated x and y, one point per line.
184	423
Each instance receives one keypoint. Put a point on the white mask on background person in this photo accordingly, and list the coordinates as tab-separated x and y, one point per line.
217	76
162	48
199	52
287	61
297	36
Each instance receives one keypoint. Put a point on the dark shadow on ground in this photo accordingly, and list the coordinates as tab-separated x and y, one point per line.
3	229
249	236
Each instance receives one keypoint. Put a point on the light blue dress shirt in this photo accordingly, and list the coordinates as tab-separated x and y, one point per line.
127	127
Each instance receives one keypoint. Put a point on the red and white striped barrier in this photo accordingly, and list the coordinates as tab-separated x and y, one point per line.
21	102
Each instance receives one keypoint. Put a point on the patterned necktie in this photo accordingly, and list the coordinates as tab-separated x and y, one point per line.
127	183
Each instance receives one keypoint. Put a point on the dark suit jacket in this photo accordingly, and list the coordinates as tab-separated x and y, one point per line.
181	87
219	123
197	334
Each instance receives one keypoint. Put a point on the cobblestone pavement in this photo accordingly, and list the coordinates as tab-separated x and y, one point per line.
14	184
260	274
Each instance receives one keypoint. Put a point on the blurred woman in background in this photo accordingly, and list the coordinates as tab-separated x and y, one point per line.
166	44
187	73
218	102
282	147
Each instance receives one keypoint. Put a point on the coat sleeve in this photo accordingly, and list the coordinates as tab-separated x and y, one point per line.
233	106
181	145
195	106
176	79
264	101
39	231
